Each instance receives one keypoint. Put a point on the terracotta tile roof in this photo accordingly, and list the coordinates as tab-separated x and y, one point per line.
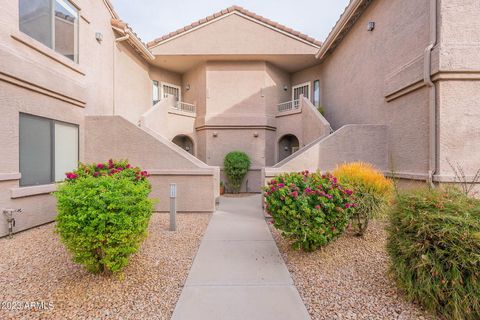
242	11
136	43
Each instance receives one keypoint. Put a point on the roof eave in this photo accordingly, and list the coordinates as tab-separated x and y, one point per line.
350	12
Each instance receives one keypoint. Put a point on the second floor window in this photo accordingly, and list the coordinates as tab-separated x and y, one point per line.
155	93
53	23
316	93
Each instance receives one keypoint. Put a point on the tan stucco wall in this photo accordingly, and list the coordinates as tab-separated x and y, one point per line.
35	79
367	143
166	162
458	88
354	79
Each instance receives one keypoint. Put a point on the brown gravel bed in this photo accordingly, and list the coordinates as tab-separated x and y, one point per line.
348	279
34	266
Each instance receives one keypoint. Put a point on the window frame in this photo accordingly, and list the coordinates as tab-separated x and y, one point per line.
305	84
179	88
76	40
52	123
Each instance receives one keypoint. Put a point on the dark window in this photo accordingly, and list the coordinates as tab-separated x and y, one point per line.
48	149
52	22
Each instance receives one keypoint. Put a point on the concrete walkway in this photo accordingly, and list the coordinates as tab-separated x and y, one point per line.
238	272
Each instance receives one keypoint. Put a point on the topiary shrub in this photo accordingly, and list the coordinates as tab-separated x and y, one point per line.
372	192
434	245
310	209
236	165
103	214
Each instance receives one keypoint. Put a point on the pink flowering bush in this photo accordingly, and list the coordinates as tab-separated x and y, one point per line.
103	214
311	209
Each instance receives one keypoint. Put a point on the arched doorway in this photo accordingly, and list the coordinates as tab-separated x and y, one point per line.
287	145
184	142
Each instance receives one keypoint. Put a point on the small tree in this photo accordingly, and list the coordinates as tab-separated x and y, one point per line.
236	165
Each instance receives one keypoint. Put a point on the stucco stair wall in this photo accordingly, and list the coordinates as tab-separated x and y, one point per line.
115	137
353	142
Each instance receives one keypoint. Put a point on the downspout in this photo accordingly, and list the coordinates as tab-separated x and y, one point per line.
125	36
427	78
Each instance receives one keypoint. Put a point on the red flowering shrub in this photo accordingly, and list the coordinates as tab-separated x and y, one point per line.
120	168
103	214
311	209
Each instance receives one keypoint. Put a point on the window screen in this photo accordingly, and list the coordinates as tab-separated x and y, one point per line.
36	20
35	150
48	149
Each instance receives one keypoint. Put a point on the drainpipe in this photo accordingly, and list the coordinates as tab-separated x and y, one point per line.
427	78
125	36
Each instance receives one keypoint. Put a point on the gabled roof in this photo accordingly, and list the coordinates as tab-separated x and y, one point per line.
344	24
228	11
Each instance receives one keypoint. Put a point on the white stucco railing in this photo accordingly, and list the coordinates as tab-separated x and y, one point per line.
185	107
288	106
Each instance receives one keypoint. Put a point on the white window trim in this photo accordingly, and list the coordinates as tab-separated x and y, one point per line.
162	96
308	84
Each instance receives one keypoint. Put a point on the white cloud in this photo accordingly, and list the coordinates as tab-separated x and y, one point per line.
153	18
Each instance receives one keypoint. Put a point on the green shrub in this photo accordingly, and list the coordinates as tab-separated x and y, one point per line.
103	214
310	209
434	244
372	192
236	165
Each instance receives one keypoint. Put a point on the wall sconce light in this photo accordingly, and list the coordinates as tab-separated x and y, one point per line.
371	26
187	87
285	148
285	88
255	134
187	148
99	36
215	134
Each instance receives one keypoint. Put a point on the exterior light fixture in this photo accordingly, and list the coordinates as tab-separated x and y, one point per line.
99	36
255	134
187	87
187	148
285	88
285	148
215	134
371	26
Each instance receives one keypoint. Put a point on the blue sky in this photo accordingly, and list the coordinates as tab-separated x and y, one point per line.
153	18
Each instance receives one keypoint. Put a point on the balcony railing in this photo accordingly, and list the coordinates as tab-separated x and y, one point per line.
288	106
184	107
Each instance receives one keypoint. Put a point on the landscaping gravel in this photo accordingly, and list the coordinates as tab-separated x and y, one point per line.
35	267
348	279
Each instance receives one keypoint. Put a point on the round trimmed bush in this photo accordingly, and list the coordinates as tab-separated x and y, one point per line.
372	192
236	165
310	209
103	214
434	244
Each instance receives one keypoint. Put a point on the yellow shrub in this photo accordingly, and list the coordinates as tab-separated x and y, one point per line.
362	174
372	191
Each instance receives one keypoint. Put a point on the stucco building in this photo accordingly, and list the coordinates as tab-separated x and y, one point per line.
398	80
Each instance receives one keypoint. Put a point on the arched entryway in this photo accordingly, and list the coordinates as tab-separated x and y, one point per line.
287	145
184	142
